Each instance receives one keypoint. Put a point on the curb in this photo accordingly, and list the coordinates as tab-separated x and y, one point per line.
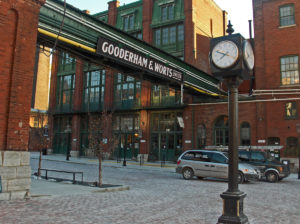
112	189
112	165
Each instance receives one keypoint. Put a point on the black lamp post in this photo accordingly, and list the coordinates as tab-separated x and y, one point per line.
125	145
232	59
298	131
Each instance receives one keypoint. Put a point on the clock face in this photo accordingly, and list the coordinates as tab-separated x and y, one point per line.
248	54
225	54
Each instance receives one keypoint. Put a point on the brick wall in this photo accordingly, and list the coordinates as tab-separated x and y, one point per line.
18	20
203	21
273	41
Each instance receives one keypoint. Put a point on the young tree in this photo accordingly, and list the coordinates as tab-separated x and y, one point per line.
39	139
101	139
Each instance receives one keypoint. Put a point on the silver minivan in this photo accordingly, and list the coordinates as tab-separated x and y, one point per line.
204	163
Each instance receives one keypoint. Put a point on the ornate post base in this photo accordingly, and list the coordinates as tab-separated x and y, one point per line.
233	203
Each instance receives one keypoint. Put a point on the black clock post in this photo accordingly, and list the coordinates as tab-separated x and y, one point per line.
229	61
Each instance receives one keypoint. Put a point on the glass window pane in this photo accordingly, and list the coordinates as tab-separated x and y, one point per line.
165	35
173	35
157	37
180	33
287	15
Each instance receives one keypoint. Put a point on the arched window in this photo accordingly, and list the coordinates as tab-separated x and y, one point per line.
245	134
221	131
291	149
201	136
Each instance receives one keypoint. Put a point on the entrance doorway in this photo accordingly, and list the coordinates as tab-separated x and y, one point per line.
166	136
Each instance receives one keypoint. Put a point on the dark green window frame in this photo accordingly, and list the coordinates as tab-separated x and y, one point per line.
62	133
289	69
66	62
201	136
221	132
167	12
287	15
164	96
291	111
65	92
128	22
93	90
138	35
245	134
127	92
169	35
291	149
126	123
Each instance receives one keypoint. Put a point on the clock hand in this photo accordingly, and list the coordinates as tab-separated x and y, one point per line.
224	54
220	52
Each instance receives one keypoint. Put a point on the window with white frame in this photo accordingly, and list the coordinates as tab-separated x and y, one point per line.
287	15
289	68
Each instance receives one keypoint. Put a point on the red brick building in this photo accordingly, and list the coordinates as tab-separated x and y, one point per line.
267	117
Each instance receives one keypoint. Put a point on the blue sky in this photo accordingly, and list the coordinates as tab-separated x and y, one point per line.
239	11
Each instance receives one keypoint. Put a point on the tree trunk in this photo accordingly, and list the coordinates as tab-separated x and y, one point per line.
100	171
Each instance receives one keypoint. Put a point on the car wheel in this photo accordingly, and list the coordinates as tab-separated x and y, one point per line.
240	177
187	173
272	176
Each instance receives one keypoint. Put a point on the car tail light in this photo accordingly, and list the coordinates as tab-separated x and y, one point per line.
178	162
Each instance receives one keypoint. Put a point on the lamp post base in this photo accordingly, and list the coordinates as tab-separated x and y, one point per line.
233	203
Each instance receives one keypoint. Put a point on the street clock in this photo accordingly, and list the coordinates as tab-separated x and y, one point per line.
231	56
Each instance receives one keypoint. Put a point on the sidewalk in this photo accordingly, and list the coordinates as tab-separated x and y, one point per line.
130	164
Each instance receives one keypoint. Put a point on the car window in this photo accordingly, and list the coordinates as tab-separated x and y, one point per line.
244	156
218	158
257	156
189	156
202	156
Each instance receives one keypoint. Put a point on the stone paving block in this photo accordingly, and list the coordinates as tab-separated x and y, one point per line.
8	172
4	196
11	158
23	171
19	184
25	158
17	195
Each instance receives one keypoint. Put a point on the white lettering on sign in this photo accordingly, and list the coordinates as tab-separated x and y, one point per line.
144	62
124	54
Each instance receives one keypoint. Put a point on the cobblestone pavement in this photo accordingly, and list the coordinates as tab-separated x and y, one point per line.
155	196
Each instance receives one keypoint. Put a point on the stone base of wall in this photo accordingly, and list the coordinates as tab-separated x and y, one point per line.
49	151
74	153
15	172
294	164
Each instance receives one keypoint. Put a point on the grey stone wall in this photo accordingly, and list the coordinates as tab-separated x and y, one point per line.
15	172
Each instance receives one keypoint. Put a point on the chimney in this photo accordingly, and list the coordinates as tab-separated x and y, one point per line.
112	12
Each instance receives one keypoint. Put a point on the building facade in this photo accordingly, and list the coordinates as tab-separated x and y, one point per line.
146	113
147	116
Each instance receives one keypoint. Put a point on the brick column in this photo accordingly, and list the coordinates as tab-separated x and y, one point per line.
189	28
109	90
19	22
147	20
259	45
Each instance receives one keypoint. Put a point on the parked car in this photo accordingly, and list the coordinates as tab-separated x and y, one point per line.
272	170
204	163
